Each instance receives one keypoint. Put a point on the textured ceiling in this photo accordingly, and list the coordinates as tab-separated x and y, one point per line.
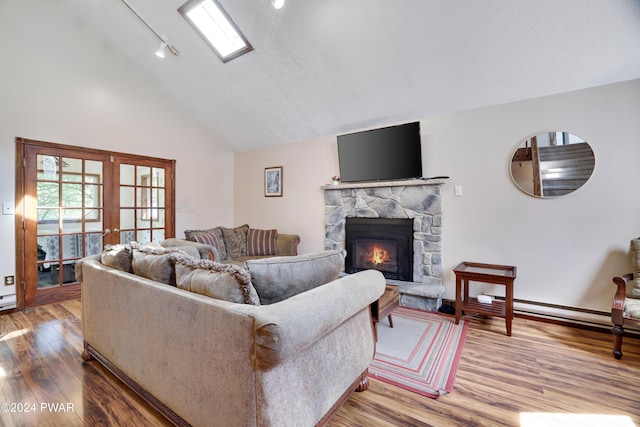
323	67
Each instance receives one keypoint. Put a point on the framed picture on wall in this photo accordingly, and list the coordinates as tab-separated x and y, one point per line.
273	181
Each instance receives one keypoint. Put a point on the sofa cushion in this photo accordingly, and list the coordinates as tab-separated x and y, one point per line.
217	231
118	257
154	263
221	281
235	240
278	278
633	287
261	242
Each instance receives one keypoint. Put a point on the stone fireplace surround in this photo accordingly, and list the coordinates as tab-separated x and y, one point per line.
417	199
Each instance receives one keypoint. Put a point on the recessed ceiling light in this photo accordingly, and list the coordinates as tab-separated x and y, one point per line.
216	27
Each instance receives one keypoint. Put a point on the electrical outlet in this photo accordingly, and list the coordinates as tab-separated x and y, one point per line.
9	280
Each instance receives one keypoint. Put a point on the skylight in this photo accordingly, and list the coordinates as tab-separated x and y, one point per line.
216	27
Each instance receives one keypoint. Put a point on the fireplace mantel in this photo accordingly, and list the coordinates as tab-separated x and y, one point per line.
378	184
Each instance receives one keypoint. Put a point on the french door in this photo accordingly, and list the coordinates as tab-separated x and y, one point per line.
71	202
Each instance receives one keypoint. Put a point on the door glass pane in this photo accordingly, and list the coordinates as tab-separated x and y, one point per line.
158	235
91	216
71	220
94	168
48	221
158	222
71	165
72	246
159	200
126	197
92	195
143	173
47	167
127	175
158	177
127	219
72	195
48	194
141	218
45	276
93	244
127	237
143	236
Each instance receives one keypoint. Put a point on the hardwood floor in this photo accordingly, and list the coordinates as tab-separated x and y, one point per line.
555	370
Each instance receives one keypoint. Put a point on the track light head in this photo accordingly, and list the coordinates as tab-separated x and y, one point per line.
162	50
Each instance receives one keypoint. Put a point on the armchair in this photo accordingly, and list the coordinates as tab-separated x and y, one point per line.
625	310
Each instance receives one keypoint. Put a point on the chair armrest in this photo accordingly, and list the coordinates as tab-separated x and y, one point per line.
287	244
617	309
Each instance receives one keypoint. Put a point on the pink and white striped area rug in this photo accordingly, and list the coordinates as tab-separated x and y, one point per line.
420	353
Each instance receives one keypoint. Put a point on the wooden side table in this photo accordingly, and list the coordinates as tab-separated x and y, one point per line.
383	307
485	273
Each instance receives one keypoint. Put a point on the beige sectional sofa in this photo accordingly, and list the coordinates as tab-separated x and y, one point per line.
206	361
239	244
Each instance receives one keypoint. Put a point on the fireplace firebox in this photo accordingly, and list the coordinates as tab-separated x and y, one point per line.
383	244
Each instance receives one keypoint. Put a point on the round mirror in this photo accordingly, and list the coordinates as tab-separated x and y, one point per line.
552	164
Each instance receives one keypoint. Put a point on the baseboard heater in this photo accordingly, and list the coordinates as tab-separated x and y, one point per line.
7	302
562	313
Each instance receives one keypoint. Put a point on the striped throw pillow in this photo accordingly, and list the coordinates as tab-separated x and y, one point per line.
261	242
208	239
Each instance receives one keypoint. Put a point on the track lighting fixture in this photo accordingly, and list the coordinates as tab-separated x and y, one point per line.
164	43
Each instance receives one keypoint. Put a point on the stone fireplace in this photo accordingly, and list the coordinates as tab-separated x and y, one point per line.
416	200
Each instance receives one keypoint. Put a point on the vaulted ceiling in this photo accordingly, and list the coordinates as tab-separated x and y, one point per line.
323	67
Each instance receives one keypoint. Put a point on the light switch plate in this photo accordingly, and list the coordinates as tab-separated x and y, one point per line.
7	208
457	190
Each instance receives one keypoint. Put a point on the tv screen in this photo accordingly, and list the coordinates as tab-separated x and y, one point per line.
389	153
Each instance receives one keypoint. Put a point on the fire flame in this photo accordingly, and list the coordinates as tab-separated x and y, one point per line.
379	255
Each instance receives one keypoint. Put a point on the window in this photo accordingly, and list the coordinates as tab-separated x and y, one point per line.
216	27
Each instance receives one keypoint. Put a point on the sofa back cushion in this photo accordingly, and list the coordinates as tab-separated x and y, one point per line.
276	279
221	281
261	242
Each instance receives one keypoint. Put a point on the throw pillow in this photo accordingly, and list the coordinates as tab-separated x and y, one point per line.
217	231
235	240
279	278
633	287
221	281
208	239
261	242
118	257
154	263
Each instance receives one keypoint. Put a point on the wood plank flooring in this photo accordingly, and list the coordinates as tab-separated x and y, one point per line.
554	370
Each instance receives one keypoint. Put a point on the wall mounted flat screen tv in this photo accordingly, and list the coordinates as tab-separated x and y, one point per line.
383	154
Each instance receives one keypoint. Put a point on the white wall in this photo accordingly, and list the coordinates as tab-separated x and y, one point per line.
58	83
566	249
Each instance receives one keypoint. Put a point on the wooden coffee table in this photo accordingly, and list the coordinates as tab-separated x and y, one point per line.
383	307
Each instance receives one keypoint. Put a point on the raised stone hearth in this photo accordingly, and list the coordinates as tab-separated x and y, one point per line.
417	199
